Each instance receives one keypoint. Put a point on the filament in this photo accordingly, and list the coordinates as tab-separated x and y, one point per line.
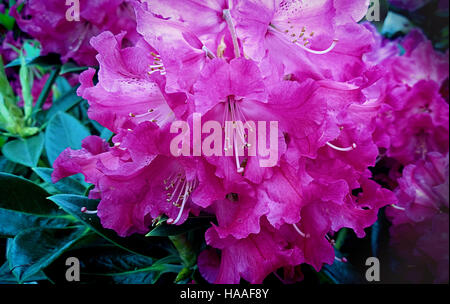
232	29
86	211
329	49
300	232
398	207
348	149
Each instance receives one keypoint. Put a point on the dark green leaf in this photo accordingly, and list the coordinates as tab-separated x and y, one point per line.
63	131
6	166
124	267
63	86
71	68
14	222
138	244
343	273
191	224
25	151
69	185
106	134
46	61
33	250
23	205
7	277
63	104
21	195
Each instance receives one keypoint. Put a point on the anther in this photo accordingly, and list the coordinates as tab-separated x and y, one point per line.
342	260
86	211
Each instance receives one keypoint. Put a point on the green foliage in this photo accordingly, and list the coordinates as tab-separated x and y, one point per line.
33	250
63	131
24	206
25	151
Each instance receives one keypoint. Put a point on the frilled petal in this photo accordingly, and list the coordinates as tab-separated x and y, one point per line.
252	258
239	215
125	94
240	78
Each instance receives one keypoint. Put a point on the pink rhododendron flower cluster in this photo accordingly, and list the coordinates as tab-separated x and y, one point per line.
413	129
47	22
420	219
337	91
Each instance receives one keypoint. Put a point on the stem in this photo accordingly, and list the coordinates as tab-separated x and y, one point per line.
46	90
232	29
184	249
341	238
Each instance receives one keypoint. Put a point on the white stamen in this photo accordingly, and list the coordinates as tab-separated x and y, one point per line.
209	54
329	49
302	40
86	211
185	196
238	165
353	147
300	232
398	207
154	115
342	260
232	29
158	65
235	130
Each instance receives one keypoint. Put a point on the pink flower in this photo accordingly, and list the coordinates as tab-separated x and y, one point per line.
205	19
420	218
295	35
71	38
138	180
234	61
413	119
412	128
181	55
126	93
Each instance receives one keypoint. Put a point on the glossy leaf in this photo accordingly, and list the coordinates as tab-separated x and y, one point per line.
63	104
138	244
63	131
68	185
7	277
191	224
24	205
25	151
343	273
33	250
